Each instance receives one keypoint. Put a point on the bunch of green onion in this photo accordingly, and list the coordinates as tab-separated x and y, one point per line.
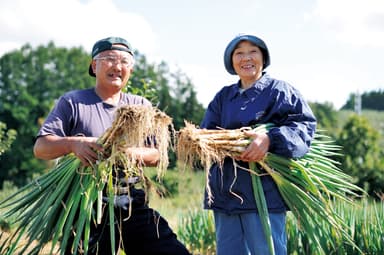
66	200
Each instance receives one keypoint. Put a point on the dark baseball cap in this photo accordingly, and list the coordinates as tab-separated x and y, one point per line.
109	44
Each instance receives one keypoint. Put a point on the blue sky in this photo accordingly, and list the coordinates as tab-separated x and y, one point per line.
325	48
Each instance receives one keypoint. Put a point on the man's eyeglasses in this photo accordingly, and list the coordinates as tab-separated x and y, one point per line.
126	62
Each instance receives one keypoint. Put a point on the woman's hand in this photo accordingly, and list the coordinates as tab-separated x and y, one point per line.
257	149
147	156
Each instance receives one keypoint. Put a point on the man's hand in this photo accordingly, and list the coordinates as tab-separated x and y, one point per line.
86	149
51	147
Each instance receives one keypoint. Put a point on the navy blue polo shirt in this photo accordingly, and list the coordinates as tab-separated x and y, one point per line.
268	101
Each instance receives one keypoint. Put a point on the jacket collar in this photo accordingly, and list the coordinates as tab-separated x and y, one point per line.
256	88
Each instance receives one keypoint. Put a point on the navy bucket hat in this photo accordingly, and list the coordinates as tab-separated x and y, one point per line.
109	44
232	46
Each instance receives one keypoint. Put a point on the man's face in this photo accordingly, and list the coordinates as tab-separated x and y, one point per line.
113	67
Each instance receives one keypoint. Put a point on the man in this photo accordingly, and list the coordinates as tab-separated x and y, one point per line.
74	125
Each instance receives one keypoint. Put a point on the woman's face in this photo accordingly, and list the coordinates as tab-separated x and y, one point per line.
247	60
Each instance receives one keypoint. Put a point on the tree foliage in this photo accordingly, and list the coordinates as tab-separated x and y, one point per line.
326	116
172	92
6	137
372	100
31	79
363	157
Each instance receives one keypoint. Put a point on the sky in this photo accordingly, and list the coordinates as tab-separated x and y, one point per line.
327	49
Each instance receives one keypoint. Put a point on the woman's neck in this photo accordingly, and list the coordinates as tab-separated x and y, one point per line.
247	82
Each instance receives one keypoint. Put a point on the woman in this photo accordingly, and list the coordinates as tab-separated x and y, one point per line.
255	99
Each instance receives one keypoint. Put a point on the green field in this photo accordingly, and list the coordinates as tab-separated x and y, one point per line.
183	205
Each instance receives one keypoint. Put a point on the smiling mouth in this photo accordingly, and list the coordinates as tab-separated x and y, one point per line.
114	76
248	66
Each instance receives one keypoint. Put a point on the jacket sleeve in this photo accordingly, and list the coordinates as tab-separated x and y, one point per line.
295	123
211	118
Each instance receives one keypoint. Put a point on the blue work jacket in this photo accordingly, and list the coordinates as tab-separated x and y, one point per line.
267	101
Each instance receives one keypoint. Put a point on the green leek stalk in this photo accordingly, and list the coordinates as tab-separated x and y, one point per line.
262	207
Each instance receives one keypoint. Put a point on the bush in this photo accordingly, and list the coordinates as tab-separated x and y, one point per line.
197	231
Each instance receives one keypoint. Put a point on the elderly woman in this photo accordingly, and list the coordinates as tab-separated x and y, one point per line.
255	99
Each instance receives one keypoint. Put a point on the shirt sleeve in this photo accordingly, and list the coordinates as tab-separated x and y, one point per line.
58	121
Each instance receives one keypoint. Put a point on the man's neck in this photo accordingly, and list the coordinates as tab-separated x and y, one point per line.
110	97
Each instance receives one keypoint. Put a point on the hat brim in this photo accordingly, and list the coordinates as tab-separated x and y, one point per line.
90	70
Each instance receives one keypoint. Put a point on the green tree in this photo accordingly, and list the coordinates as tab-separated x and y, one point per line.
30	80
175	93
326	116
186	106
372	100
6	137
363	157
350	104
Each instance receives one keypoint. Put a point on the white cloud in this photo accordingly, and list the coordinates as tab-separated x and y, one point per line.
70	23
355	22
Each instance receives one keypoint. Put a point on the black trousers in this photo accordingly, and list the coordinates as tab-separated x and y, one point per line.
143	232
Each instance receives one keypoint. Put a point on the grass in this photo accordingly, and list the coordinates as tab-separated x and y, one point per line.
365	223
367	219
189	196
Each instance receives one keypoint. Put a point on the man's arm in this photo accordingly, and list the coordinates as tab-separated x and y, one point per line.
85	148
50	147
